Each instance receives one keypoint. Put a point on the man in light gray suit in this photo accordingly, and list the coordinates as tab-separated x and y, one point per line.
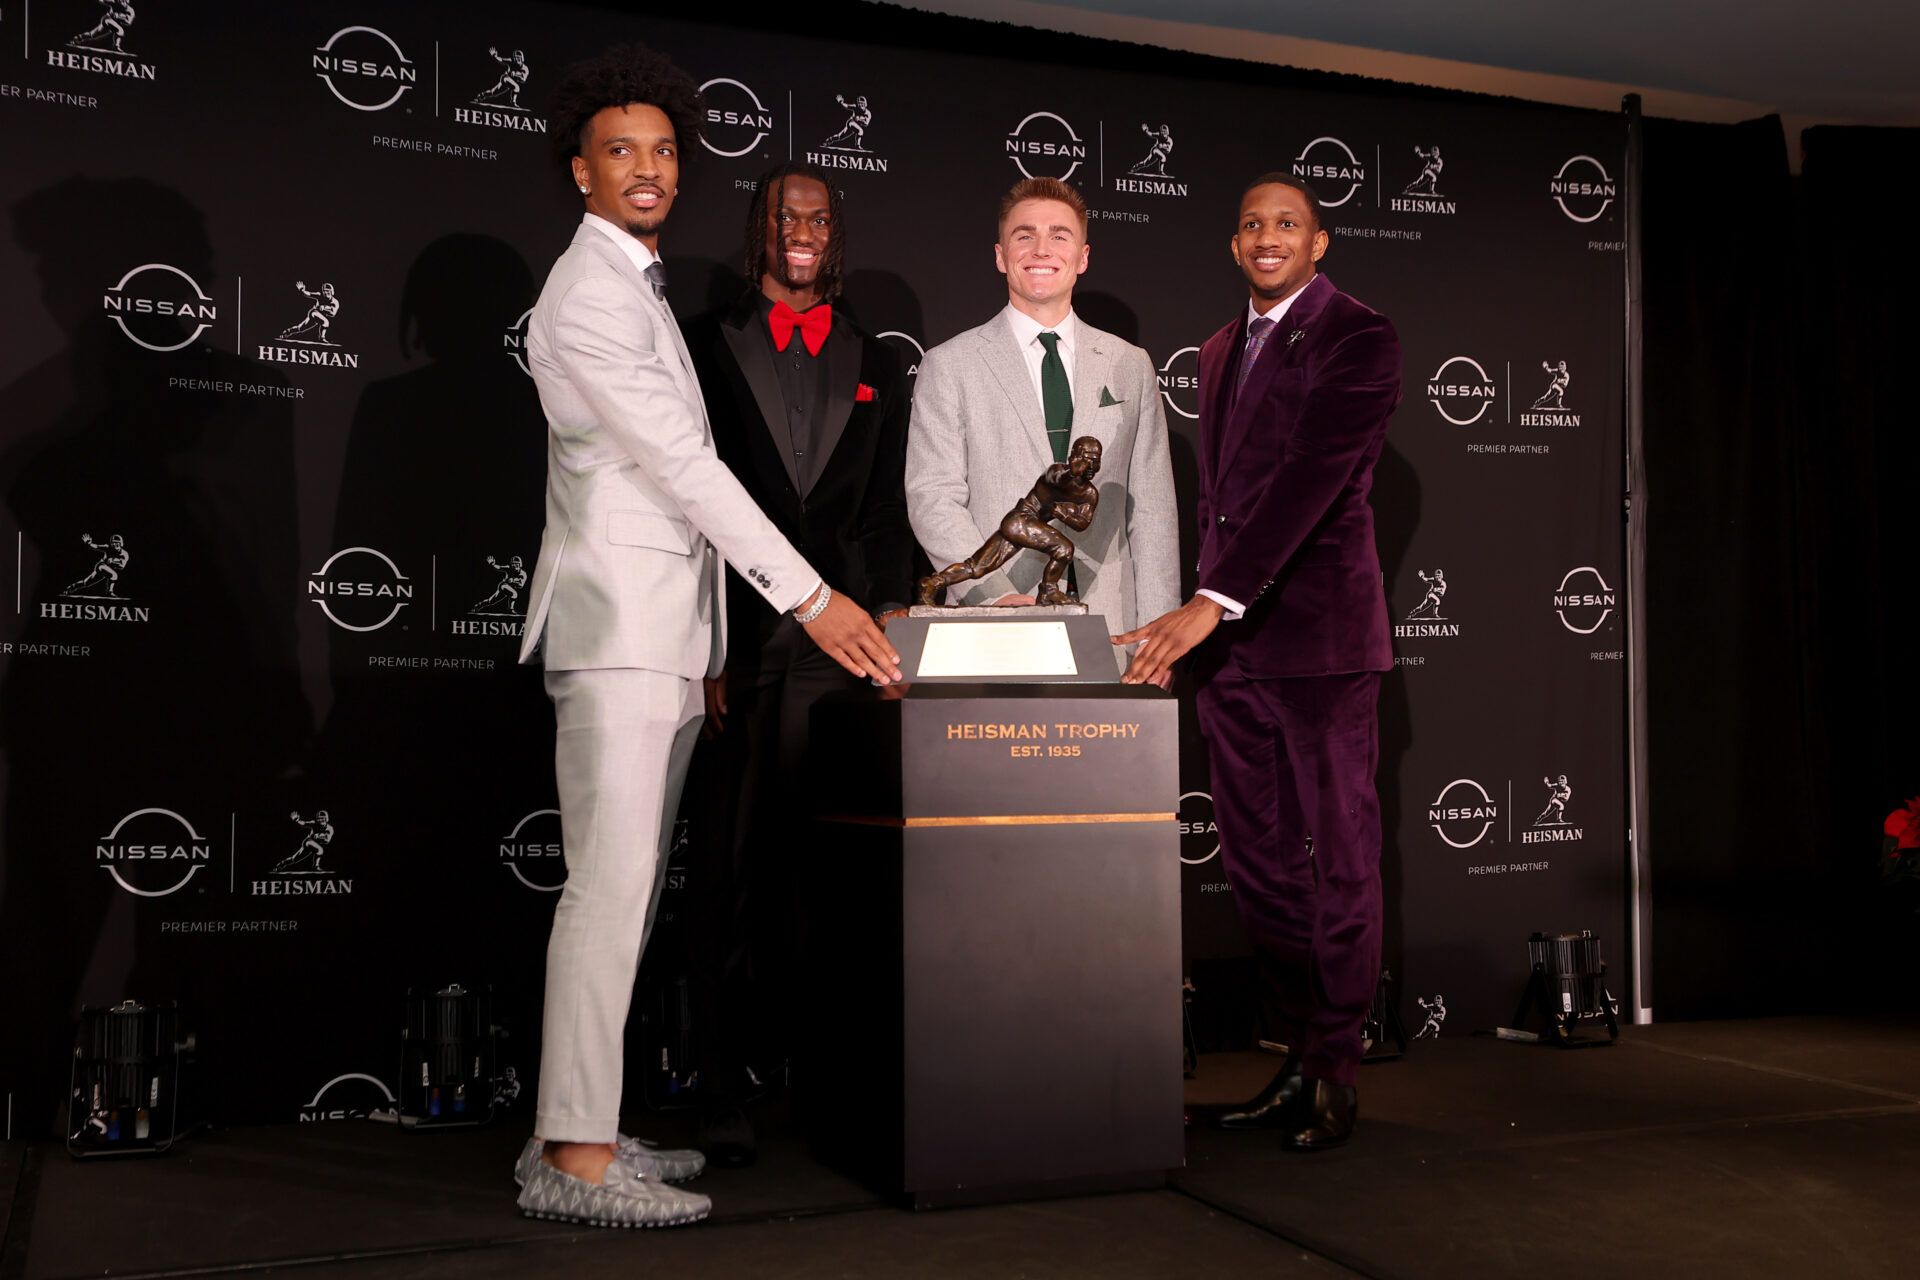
995	406
627	611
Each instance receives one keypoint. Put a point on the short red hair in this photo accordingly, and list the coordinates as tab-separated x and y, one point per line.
1042	189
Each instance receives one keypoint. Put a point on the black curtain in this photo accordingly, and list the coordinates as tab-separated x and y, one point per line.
1858	428
1780	446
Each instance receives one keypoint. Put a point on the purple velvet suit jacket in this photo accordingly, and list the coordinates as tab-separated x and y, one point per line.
1285	528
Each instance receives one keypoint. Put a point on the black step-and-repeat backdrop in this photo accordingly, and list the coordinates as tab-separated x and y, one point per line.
272	464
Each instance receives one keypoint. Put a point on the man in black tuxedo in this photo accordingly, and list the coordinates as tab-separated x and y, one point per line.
810	412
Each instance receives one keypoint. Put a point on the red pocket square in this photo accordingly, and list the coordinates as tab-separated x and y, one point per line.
862	393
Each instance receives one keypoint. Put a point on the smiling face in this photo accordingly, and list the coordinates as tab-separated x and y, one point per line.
629	163
1277	242
798	231
1042	251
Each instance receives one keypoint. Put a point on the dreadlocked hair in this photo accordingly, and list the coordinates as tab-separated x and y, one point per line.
767	196
624	74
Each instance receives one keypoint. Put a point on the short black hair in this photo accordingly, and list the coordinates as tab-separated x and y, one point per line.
772	187
1277	178
625	73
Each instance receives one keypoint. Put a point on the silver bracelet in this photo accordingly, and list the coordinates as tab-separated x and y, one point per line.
819	606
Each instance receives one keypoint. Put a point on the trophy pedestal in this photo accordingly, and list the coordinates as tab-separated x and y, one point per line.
995	930
1015	644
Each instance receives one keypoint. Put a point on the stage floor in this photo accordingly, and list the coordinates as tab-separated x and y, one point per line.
1779	1147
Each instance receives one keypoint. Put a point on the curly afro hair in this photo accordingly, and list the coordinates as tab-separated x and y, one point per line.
624	74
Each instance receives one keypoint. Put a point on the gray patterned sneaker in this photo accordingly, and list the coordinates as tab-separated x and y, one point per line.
669	1164
623	1199
665	1163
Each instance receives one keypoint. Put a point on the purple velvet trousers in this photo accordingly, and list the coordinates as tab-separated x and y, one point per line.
1294	758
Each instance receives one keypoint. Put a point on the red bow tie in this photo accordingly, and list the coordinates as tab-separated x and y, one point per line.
815	323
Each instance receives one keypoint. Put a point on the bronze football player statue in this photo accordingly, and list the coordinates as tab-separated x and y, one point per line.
1064	492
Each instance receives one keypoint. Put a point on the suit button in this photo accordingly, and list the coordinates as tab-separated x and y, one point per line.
1221	519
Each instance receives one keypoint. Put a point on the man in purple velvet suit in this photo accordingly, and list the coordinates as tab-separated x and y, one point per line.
1289	634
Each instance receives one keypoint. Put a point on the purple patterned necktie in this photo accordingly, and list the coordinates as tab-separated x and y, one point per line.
1258	331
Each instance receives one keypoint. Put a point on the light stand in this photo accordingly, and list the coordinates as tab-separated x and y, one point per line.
1567	988
131	1068
448	1049
1384	1035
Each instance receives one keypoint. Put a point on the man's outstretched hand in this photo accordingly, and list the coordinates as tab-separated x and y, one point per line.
847	635
1167	639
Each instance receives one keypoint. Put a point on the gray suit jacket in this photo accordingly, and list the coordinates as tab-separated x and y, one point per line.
638	502
978	441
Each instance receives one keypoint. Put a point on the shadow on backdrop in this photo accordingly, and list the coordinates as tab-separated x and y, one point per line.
445	471
190	703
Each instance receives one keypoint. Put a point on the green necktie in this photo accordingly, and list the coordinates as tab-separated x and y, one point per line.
1056	396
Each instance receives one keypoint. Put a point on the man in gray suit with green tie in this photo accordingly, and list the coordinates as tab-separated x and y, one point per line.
994	406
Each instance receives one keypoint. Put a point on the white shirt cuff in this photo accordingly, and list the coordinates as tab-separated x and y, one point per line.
1233	607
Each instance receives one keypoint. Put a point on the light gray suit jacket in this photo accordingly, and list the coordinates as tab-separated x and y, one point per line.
978	440
638	502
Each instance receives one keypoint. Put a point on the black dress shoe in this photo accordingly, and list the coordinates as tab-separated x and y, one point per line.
1273	1107
1324	1117
726	1136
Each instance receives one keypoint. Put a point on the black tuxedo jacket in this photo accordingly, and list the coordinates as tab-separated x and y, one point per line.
851	522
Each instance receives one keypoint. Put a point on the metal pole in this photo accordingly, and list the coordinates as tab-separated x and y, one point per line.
1639	842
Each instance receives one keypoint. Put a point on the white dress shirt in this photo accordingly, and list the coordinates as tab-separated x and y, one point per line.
1234	609
642	258
1026	336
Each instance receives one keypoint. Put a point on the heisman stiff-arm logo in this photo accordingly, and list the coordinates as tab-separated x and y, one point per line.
499	106
109	34
1425	618
304	872
847	147
1553	826
505	92
1422	195
309	339
1149	176
102	48
99	595
1550	408
503	611
1436	1016
1428	610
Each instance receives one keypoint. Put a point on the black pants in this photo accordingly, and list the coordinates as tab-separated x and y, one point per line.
747	929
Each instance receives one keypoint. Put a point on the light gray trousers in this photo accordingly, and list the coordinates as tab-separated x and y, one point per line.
624	741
